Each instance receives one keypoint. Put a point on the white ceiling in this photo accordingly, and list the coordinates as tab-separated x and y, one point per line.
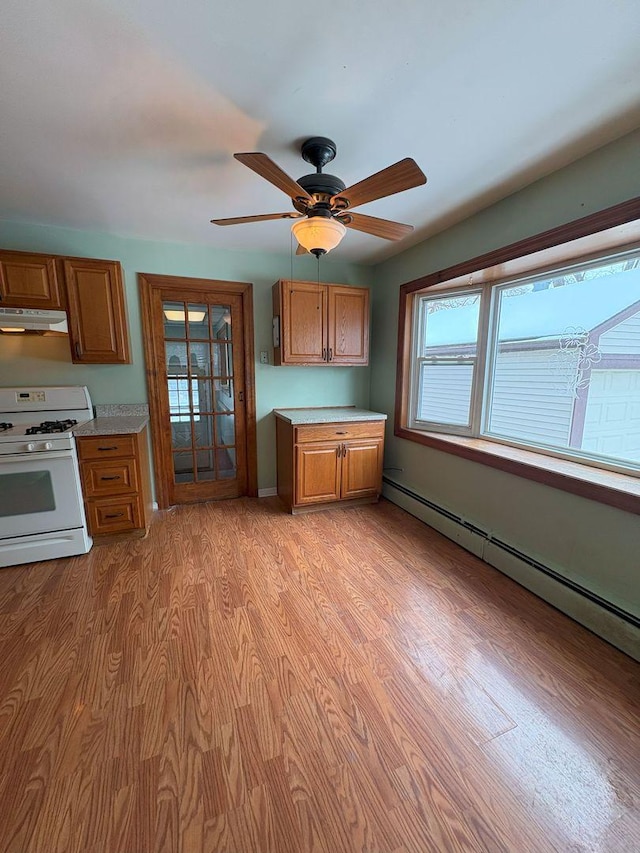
122	115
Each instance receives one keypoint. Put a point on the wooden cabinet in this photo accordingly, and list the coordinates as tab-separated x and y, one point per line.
91	291
30	281
98	331
116	483
322	464
323	324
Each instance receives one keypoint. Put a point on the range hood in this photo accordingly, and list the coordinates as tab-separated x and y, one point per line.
32	319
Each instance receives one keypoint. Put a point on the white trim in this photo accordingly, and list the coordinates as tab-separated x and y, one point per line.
268	493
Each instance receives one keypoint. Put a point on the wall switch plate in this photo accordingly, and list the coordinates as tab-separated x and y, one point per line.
264	357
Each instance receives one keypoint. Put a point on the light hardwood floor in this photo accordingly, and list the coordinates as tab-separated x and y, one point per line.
248	681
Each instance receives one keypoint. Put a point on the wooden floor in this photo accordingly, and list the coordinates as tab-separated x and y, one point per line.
252	682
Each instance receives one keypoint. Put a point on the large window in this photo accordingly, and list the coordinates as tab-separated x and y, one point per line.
548	361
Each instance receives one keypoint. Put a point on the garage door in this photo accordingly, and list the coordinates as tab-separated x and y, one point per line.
612	421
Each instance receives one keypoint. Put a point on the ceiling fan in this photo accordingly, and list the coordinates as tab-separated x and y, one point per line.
323	204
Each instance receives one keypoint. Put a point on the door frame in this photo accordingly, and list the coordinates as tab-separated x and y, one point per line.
148	284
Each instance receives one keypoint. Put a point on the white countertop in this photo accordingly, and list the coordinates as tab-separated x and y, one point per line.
339	414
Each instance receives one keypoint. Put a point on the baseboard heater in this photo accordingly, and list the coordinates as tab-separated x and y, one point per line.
627	617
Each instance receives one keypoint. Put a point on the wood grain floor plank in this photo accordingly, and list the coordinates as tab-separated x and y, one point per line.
248	681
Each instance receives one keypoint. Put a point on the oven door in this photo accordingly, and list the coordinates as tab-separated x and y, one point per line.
39	493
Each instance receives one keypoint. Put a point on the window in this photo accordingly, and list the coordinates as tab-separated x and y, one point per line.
549	361
485	417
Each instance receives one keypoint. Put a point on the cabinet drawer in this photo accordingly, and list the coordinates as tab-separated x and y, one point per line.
106	446
339	431
109	477
114	515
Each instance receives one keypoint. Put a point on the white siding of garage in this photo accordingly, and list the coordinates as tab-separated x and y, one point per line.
532	397
623	339
445	393
612	420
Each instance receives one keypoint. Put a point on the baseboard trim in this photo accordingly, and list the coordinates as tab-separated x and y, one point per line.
615	625
268	493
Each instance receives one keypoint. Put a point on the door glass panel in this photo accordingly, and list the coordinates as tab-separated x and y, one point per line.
222	361
174	319
198	317
183	468
226	459
176	358
199	359
202	421
203	431
25	493
181	432
202	394
206	465
221	322
223	395
225	430
179	397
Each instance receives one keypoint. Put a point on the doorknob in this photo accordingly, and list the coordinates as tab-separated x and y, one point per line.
241	396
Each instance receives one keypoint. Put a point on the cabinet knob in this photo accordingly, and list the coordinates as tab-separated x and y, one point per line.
78	350
330	354
117	477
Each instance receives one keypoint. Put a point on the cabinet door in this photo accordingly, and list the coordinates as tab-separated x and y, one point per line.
348	325
29	281
317	473
303	322
97	313
362	468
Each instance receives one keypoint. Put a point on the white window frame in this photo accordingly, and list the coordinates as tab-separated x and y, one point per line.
482	384
418	359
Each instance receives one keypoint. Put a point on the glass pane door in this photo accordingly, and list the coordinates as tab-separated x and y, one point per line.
198	345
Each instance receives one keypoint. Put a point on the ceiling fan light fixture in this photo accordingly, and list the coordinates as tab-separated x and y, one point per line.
318	234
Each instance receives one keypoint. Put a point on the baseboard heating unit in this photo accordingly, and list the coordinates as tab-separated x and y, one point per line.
607	620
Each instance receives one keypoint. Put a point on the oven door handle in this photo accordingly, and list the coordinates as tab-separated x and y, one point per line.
36	454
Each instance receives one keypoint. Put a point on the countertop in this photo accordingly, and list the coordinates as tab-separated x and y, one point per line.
119	425
328	416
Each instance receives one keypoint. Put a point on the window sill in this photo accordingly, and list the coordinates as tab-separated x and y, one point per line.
608	487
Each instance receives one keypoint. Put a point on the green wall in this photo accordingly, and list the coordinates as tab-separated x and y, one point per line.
43	360
596	545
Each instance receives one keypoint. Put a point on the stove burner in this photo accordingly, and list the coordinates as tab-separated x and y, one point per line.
5	426
51	426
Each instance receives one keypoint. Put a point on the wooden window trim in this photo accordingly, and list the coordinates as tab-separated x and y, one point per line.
618	490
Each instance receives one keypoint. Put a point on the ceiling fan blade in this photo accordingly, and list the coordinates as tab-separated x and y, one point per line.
238	220
378	227
270	171
394	179
301	250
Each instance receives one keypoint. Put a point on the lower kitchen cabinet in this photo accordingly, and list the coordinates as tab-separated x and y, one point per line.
329	463
116	483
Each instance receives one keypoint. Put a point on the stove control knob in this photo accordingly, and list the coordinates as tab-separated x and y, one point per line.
31	446
48	445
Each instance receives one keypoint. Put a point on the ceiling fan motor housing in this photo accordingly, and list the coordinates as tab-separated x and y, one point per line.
318	150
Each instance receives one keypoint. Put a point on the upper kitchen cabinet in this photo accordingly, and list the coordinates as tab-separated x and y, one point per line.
30	281
97	313
324	324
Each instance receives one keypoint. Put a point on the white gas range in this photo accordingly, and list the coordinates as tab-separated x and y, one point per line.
41	506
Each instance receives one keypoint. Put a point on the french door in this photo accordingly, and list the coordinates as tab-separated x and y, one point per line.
199	353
